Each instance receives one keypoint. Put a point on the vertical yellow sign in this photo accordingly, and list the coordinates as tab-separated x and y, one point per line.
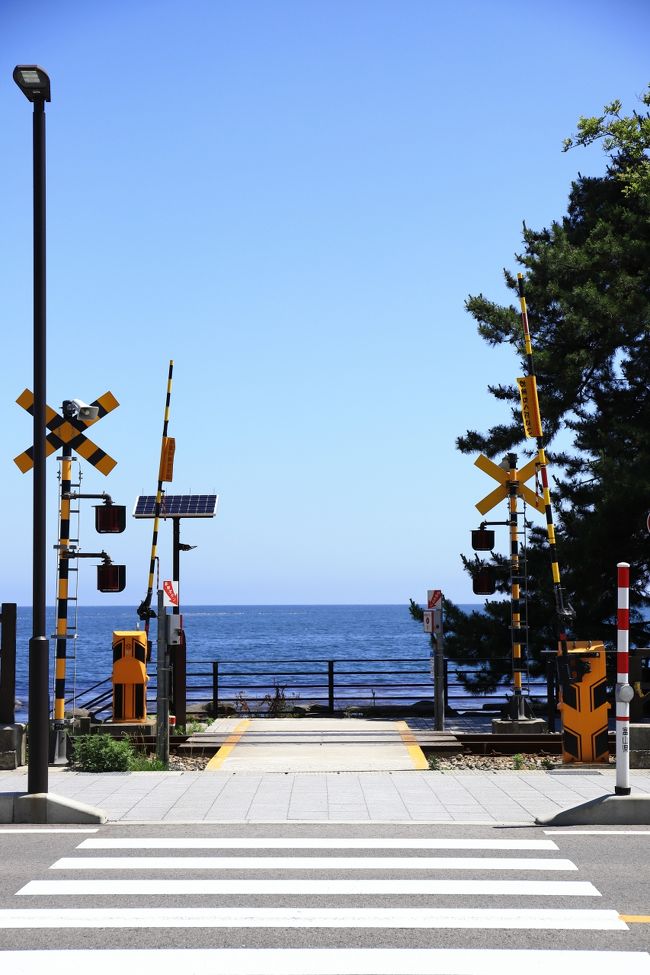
530	406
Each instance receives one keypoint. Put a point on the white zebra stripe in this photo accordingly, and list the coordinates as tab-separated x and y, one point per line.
328	961
310	888
310	863
309	843
279	917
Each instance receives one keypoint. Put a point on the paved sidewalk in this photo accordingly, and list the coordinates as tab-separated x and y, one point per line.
417	796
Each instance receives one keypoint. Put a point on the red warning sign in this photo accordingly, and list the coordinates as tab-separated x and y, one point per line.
170	590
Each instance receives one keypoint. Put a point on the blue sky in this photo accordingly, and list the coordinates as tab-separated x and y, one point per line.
292	200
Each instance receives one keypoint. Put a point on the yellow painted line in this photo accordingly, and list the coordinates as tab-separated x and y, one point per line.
217	760
417	755
635	918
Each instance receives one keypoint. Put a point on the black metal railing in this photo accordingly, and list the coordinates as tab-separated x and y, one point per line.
252	686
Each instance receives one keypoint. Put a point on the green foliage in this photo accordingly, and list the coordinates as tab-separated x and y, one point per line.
518	761
103	753
587	283
144	763
626	139
191	728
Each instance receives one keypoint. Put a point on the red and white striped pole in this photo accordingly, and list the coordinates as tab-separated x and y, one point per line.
624	692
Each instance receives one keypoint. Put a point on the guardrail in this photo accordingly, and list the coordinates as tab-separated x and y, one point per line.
268	687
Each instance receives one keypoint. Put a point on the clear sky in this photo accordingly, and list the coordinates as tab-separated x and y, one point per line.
292	200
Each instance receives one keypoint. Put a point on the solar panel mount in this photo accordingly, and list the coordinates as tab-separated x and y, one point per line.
177	506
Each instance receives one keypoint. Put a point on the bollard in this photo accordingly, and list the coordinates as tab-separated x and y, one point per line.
624	692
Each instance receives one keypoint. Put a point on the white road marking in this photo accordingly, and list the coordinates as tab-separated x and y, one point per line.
307	843
328	961
598	832
310	863
279	917
308	888
46	829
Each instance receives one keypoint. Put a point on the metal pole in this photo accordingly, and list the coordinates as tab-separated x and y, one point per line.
330	686
515	592
439	670
624	692
162	685
176	559
60	755
39	704
215	688
8	664
178	653
551	703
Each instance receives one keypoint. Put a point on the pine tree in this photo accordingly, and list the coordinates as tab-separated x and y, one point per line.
587	282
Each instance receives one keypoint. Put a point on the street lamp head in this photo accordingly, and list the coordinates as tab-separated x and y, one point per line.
33	82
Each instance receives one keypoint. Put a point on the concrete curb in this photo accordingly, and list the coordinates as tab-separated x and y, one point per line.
603	811
46	807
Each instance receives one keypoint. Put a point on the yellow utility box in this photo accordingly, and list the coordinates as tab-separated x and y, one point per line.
583	701
130	676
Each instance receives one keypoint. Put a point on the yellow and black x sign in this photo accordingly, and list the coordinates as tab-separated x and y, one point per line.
503	477
70	432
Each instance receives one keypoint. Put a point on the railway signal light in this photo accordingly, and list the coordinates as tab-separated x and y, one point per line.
110	519
484	581
111	578
482	539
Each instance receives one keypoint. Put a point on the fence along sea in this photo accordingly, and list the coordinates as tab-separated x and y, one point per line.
272	634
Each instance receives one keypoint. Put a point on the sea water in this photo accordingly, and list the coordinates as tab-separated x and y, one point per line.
275	635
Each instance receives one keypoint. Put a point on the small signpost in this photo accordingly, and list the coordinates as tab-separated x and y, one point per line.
433	624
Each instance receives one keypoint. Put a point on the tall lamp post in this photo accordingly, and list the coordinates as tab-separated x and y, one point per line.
35	85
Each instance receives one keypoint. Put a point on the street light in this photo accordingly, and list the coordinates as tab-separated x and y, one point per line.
35	85
33	82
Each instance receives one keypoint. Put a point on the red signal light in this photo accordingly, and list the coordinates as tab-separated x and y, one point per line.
111	578
110	519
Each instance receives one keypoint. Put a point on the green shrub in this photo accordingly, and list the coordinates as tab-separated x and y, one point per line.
102	753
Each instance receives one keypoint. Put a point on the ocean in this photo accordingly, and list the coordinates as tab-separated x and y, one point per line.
272	634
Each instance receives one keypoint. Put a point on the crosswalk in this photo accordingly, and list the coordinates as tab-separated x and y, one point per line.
314	905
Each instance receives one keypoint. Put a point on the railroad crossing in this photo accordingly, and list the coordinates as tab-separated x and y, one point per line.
69	432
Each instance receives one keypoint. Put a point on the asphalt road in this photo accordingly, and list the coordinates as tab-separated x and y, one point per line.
326	893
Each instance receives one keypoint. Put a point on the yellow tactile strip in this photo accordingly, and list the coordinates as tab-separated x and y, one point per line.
415	752
217	760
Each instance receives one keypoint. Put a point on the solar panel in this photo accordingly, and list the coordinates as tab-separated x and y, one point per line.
177	506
